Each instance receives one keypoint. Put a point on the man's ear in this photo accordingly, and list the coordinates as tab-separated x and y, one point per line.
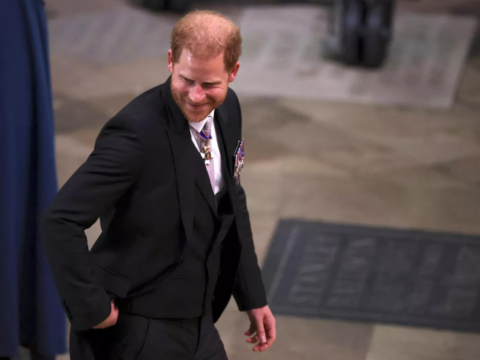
170	61
233	73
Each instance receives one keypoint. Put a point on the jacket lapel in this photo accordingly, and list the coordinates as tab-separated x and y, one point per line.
229	142
185	180
224	138
179	135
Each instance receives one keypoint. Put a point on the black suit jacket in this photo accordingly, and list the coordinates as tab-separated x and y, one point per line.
139	181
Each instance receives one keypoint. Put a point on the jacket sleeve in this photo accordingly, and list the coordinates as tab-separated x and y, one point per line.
249	291
94	188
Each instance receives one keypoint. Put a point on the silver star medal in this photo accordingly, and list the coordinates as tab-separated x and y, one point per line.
239	161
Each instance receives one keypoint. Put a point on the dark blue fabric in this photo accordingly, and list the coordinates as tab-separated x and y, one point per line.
30	310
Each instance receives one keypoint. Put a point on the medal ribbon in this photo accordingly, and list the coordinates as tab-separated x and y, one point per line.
204	136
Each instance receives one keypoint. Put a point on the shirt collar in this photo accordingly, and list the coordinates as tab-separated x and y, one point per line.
199	125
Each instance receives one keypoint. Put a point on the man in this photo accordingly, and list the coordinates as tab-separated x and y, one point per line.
176	241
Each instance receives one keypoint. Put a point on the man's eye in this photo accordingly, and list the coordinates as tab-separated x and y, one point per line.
190	82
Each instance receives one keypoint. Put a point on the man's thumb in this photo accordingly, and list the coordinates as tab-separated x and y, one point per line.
114	313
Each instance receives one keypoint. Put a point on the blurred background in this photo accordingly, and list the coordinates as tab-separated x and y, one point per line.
365	114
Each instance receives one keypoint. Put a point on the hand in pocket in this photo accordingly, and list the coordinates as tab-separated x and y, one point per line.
111	320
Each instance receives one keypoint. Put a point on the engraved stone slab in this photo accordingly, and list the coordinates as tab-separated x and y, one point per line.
374	275
112	37
282	46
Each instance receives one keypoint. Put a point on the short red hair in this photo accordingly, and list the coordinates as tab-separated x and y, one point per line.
207	33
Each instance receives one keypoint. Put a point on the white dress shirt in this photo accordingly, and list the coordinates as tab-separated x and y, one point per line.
215	150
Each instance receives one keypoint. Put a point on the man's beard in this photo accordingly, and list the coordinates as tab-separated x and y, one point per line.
195	116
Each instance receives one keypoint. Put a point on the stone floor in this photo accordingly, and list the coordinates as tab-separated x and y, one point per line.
342	162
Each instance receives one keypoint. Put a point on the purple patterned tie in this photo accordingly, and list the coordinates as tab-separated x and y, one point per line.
206	150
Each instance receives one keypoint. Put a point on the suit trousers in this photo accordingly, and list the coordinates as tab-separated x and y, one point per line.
140	338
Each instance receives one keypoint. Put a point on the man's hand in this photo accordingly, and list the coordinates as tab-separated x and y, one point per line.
262	330
111	320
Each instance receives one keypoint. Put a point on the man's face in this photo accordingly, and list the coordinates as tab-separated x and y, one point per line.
199	84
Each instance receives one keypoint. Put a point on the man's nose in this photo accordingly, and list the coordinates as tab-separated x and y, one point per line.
196	94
